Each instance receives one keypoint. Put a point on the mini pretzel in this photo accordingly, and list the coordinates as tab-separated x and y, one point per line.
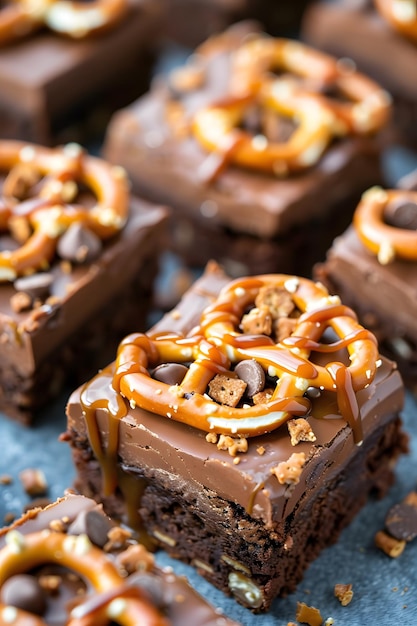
368	106
383	240
51	214
24	552
215	128
221	343
70	18
401	15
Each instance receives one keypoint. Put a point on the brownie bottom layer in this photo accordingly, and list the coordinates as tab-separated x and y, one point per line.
80	357
227	546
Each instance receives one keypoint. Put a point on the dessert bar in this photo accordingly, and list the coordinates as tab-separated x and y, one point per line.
373	268
367	34
78	258
50	79
69	563
243	432
261	170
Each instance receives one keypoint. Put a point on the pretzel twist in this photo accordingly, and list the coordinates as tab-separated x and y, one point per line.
25	552
70	18
385	241
50	214
401	15
220	344
366	108
363	109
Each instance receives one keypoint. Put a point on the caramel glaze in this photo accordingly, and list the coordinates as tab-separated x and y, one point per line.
105	395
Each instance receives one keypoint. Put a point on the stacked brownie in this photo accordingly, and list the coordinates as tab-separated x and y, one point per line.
212	439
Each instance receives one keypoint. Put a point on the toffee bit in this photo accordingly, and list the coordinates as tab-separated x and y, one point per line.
343	593
232	445
391	546
289	472
34	482
211	437
300	430
308	614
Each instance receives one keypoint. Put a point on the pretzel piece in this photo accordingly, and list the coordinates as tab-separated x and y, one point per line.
24	552
50	215
70	18
368	107
401	15
385	241
219	344
216	129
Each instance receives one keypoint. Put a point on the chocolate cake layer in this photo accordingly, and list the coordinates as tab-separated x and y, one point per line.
73	327
295	218
49	82
356	30
249	534
80	591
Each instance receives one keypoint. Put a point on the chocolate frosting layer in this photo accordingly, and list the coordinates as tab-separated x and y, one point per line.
156	444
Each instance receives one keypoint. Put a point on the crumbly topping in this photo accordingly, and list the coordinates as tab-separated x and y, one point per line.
34	482
289	472
135	558
225	390
117	538
232	445
300	430
258	321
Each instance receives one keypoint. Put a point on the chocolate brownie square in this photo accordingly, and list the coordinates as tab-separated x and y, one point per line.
69	562
237	437
78	258
379	281
253	218
50	80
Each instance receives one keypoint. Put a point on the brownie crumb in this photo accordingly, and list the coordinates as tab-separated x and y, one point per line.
289	472
391	546
34	482
308	615
300	430
343	593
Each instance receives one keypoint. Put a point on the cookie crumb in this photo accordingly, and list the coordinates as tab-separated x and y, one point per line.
34	482
289	472
300	430
391	546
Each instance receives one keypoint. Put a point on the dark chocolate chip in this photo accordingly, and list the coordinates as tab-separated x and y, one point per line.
79	244
402	214
151	585
401	521
24	592
313	393
94	524
252	373
170	373
36	285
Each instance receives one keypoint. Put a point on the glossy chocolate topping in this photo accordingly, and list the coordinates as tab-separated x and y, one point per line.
157	444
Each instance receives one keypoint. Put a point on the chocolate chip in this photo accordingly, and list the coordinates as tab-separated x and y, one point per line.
24	592
94	524
401	521
313	393
170	373
36	285
79	244
252	373
151	585
402	214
